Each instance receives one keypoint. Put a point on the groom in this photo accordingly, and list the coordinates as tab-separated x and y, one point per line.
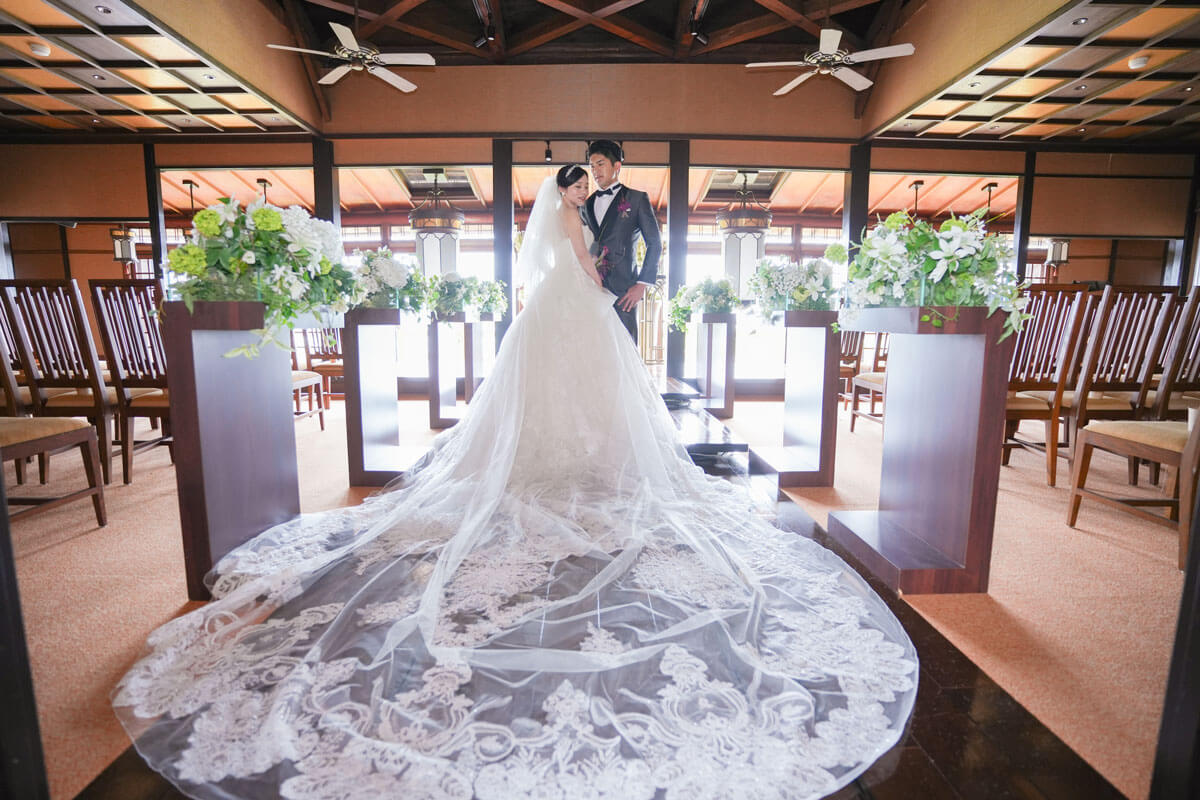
617	215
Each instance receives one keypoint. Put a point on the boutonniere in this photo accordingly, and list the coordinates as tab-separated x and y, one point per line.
624	208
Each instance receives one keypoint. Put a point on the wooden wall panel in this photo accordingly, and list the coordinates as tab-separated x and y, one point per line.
979	162
748	153
236	154
1108	207
66	181
410	152
36	250
1176	166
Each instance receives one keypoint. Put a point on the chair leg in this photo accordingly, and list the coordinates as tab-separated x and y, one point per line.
322	404
1079	470
1051	451
126	422
105	443
1187	497
153	423
325	391
91	466
1155	469
19	466
43	468
853	406
1010	430
1133	470
166	427
297	393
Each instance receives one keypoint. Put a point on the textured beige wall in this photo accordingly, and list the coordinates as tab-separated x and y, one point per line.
81	180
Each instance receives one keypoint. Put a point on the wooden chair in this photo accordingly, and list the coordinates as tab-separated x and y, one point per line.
1162	441
1042	362
127	312
308	383
872	384
55	344
323	355
849	362
22	437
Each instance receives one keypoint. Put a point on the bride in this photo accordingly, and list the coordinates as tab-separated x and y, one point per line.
555	604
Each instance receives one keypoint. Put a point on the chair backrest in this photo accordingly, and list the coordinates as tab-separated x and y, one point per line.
1044	345
53	337
852	346
880	353
1181	364
127	311
1125	340
12	406
322	344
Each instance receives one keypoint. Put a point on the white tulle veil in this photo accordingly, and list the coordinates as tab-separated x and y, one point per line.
557	604
536	258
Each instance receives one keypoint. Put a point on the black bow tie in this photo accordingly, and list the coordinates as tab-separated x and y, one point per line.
603	192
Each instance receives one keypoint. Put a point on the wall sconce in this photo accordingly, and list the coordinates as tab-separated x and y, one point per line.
549	155
123	245
1058	253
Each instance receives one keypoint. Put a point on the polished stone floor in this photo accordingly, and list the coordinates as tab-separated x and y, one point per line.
967	740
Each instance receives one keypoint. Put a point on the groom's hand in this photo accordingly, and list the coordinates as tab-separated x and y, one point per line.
632	297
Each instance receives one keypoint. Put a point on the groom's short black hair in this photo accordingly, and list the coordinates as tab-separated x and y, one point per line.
607	148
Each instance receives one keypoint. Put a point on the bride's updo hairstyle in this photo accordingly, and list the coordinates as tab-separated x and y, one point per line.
569	174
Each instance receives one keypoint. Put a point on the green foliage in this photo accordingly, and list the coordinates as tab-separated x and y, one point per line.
708	296
282	258
906	262
451	294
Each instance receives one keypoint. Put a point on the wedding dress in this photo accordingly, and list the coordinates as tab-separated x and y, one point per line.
555	604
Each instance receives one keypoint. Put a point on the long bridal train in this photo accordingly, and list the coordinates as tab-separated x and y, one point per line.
556	604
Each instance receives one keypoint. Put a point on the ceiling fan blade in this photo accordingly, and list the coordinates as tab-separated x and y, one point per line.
793	83
776	64
830	39
344	35
302	50
883	52
410	59
335	75
852	79
392	78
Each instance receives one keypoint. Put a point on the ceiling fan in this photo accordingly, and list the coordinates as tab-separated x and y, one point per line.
364	57
829	60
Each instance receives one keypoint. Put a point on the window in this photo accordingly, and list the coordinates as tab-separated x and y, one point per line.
823	235
372	234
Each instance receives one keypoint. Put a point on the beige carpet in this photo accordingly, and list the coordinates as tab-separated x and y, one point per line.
1078	625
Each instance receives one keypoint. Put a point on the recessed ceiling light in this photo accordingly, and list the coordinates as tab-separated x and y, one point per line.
39	48
1187	88
276	119
1137	62
974	85
1079	21
95	122
210	77
104	9
994	127
1081	130
1081	87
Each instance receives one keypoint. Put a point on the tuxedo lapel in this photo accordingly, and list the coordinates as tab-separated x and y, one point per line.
612	213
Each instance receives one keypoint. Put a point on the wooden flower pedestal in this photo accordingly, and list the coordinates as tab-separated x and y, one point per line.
715	339
235	440
942	437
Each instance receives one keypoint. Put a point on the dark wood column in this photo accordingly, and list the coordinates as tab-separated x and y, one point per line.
23	773
502	224
154	209
326	204
858	186
677	221
1021	215
1177	760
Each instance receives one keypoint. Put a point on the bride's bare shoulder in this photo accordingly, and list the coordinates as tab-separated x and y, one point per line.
570	217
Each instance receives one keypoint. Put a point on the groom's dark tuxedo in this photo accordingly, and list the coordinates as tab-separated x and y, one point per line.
628	216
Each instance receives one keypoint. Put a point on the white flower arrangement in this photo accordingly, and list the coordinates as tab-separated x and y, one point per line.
780	284
907	262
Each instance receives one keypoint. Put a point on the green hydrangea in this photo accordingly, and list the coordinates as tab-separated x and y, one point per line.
208	222
836	253
326	264
267	219
189	259
954	223
896	221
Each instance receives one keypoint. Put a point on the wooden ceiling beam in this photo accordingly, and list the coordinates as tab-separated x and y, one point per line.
685	11
956	197
304	35
450	37
490	13
816	191
743	32
405	189
393	13
607	19
884	196
705	185
791	11
543	33
883	26
362	185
